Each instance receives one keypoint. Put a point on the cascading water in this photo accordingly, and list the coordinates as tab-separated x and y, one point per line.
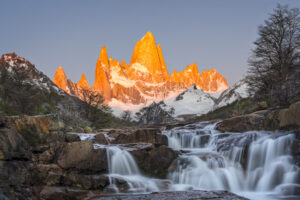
123	168
247	163
255	164
121	162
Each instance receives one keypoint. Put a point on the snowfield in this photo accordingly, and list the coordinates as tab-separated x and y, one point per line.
191	101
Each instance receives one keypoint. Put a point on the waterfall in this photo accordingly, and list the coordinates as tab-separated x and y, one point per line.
254	164
254	161
121	162
125	174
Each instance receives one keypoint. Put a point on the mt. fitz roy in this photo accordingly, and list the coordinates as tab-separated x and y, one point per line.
144	80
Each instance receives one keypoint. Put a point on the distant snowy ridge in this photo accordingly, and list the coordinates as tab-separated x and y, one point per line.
193	101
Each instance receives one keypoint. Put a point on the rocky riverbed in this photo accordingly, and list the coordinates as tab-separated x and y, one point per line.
39	159
177	195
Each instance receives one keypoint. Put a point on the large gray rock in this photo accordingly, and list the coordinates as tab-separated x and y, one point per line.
144	135
100	139
155	161
290	117
82	156
260	120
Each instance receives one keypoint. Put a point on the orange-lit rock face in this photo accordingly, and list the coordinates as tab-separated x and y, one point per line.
144	80
60	78
83	83
101	83
212	81
145	62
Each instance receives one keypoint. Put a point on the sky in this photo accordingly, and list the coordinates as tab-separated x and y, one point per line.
213	33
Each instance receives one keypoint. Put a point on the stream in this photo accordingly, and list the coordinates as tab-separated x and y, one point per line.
254	164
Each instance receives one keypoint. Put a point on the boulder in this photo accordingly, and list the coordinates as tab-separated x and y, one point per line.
72	137
55	193
88	182
260	120
13	145
74	154
82	156
290	117
155	161
144	135
100	139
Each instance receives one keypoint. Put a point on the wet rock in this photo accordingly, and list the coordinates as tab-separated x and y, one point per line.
204	139
82	156
171	126
145	135
155	161
100	139
289	189
177	195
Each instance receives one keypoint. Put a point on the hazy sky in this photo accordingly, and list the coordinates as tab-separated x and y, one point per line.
214	34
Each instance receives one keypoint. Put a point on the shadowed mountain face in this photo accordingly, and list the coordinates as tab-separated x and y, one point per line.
144	80
26	90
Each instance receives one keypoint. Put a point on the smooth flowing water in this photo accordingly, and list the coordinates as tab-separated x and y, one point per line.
255	164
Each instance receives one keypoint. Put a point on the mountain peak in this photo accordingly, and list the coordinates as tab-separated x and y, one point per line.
148	55
148	35
145	79
83	83
13	59
60	78
103	58
193	68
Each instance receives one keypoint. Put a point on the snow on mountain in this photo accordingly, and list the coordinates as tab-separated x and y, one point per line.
145	80
22	71
238	91
197	102
191	101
